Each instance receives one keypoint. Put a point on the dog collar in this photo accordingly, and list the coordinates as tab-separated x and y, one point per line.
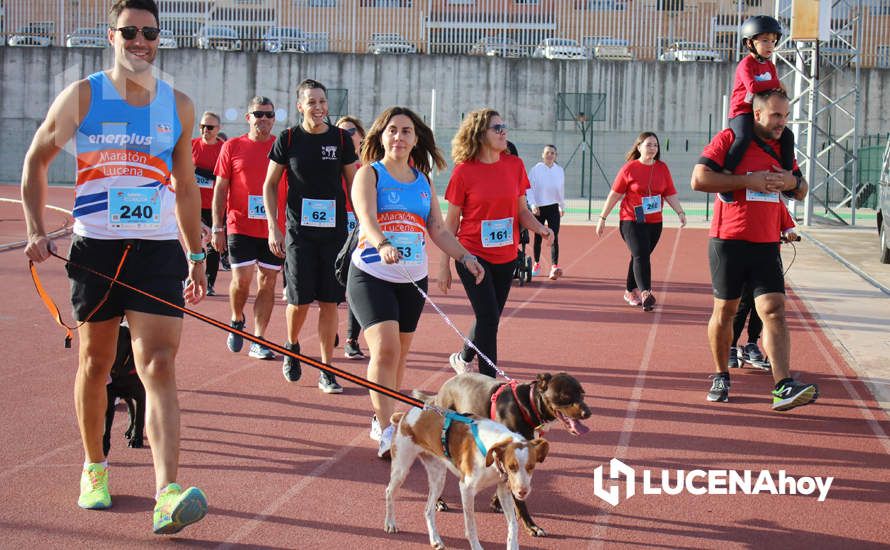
474	429
531	399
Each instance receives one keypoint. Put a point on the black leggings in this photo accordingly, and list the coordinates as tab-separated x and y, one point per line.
353	328
743	128
212	255
550	215
488	299
641	239
755	325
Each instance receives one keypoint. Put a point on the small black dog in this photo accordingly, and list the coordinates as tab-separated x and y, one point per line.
125	384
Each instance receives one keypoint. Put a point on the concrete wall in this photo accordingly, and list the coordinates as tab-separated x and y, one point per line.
682	102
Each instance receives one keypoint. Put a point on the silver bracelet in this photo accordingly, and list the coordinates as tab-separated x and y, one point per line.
467	257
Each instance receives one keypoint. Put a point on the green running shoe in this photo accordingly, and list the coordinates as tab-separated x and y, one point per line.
176	509
94	488
791	394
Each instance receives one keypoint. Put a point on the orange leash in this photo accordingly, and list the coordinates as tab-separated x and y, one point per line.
330	369
54	309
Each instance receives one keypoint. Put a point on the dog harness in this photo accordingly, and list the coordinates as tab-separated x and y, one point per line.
474	429
525	414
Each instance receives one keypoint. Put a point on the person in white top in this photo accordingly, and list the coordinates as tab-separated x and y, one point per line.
546	197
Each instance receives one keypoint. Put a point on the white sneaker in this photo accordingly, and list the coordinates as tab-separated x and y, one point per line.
459	365
375	429
386	442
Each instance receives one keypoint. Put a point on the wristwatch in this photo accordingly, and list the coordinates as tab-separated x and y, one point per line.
218	229
196	257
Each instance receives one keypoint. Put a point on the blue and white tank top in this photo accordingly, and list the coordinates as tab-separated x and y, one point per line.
124	159
402	211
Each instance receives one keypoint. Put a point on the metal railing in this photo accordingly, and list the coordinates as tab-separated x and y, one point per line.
645	29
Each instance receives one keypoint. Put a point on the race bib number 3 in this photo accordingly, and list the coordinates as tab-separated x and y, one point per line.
410	246
319	213
256	210
757	196
134	208
652	204
497	232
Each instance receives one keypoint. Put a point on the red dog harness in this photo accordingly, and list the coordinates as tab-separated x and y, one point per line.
525	415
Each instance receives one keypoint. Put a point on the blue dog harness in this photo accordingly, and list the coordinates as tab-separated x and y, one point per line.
474	429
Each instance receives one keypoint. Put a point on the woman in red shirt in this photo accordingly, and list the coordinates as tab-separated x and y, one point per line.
640	185
486	207
205	151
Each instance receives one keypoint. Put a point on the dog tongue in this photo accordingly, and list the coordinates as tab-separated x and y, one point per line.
576	427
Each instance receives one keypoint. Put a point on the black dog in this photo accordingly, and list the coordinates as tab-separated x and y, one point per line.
523	408
125	384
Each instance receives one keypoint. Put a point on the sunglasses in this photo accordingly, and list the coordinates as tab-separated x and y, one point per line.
350	131
208	126
129	33
261	114
498	128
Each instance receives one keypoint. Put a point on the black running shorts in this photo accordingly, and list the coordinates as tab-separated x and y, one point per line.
245	251
735	264
374	300
156	267
309	270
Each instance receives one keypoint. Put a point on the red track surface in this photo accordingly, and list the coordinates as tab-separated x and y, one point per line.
285	466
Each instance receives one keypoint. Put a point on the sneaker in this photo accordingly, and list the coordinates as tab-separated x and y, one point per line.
224	262
210	290
176	509
791	393
536	269
632	297
458	364
291	368
352	351
383	450
555	272
94	488
235	341
734	358
719	389
328	384
648	300
752	355
376	431
259	351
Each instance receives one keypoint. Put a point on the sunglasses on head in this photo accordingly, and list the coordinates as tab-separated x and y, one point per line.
350	131
498	128
208	126
261	114
129	33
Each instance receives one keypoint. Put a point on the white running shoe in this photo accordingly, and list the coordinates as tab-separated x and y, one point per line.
375	429
459	365
383	450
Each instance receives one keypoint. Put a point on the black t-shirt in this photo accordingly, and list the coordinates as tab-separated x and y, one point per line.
314	164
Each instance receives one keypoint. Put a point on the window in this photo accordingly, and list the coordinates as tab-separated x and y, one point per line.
601	5
461	2
322	3
670	5
882	59
386	3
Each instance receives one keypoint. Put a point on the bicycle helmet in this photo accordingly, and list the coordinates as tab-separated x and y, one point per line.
759	24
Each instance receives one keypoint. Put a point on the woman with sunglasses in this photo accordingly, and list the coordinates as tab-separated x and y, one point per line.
351	349
486	207
640	186
205	152
397	208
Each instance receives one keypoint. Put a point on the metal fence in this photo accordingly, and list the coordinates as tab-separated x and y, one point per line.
613	29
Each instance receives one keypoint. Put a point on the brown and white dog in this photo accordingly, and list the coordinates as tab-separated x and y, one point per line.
526	409
508	460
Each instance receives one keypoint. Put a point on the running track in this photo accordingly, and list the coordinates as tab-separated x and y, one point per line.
285	466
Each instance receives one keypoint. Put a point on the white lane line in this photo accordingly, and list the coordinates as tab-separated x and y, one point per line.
603	516
857	400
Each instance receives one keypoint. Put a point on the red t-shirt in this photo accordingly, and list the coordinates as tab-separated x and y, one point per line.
243	162
750	216
488	196
751	77
636	180
205	156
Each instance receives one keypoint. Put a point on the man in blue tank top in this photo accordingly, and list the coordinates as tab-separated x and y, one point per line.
135	187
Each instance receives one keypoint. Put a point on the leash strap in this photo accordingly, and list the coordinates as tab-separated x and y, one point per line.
330	369
451	324
54	309
474	429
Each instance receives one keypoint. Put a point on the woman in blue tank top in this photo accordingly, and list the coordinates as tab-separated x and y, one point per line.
397	208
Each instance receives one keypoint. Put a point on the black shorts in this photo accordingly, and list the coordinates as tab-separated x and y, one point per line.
374	300
156	267
245	250
736	264
309	270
